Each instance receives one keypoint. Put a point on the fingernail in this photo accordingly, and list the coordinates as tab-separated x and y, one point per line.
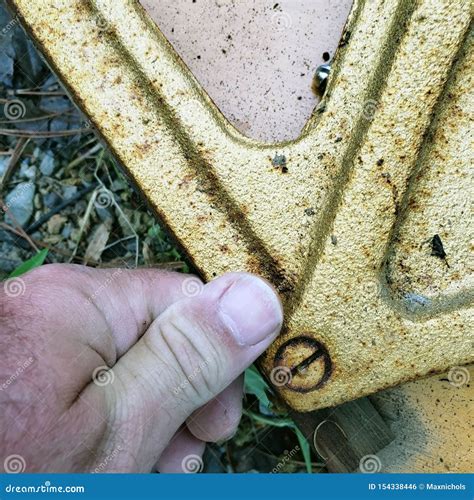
251	310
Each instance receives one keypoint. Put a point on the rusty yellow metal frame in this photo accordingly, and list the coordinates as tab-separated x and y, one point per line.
340	220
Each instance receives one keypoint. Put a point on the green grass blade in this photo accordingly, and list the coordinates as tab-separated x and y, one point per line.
305	449
35	261
256	385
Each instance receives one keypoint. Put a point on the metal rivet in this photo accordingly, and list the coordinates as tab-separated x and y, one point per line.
321	77
308	362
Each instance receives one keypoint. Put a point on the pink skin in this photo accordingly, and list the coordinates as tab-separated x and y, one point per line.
175	358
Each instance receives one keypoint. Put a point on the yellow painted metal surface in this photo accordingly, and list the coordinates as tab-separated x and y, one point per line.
340	220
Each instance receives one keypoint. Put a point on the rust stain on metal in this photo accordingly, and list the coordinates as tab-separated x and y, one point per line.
341	233
309	363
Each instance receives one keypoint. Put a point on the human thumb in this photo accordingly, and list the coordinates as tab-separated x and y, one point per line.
189	354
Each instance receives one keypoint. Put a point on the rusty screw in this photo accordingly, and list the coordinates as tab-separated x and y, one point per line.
305	361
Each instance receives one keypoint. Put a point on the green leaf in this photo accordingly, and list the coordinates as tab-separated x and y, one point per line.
30	264
275	422
305	449
256	385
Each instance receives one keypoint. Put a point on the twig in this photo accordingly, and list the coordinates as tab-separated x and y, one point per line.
16	154
42	244
44	218
84	156
18	225
43	135
38	92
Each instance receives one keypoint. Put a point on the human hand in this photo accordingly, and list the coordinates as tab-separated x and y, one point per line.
125	370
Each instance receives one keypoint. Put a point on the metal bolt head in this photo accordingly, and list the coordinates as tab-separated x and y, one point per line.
321	76
308	362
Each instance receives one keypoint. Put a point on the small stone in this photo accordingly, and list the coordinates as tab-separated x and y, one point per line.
28	172
37	201
3	165
56	223
50	200
47	164
69	192
19	202
67	230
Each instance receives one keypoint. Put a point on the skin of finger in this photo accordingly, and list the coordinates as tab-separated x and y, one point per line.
60	336
182	452
187	357
85	318
219	418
